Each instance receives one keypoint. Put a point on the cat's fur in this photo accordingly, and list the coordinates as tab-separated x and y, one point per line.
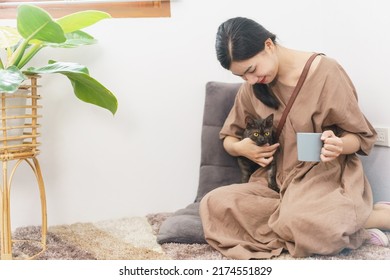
262	133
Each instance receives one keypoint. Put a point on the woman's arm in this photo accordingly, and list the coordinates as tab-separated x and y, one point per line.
262	155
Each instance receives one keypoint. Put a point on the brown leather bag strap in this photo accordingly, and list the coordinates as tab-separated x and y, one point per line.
294	94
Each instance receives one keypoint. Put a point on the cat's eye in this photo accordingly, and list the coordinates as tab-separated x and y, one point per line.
266	133
256	134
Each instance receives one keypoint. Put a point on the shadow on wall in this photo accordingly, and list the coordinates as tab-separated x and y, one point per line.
377	166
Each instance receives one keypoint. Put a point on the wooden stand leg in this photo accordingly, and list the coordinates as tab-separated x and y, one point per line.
6	236
42	193
6	241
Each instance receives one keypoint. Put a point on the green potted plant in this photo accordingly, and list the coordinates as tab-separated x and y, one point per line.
36	30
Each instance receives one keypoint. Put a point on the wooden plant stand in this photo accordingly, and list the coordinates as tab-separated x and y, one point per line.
18	149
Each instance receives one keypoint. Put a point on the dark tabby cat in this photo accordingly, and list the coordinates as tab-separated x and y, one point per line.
261	132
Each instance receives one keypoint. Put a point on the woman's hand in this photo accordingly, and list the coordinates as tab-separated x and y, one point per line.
262	155
333	146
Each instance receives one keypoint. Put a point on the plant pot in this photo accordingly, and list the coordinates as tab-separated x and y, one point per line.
18	123
13	112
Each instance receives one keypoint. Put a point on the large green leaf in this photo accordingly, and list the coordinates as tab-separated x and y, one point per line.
74	39
91	91
35	23
58	67
9	37
85	87
10	79
80	20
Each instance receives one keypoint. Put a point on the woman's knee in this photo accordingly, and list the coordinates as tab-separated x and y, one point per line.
214	196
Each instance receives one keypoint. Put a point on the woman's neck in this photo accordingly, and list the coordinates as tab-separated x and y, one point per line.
291	64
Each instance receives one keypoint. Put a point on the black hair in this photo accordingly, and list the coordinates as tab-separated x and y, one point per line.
239	39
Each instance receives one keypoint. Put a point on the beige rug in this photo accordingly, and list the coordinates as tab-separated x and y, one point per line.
123	239
134	238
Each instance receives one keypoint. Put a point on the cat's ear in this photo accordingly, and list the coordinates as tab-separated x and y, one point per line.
249	121
269	120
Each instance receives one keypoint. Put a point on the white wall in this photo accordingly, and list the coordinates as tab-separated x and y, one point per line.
145	159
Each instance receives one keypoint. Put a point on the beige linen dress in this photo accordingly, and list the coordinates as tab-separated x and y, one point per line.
322	207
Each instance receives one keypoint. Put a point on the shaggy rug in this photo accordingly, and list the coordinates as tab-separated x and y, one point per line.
134	238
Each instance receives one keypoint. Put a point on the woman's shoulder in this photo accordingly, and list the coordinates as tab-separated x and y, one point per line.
332	72
329	63
246	89
330	67
245	86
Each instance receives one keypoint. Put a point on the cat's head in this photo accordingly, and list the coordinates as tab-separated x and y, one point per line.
259	130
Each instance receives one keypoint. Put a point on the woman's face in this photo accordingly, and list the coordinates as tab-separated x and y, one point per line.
262	68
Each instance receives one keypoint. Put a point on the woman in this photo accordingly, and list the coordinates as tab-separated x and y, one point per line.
322	208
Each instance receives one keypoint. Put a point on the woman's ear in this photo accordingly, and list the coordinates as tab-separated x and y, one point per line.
269	44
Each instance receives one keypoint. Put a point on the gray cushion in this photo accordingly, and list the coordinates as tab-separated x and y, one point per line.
183	227
217	168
